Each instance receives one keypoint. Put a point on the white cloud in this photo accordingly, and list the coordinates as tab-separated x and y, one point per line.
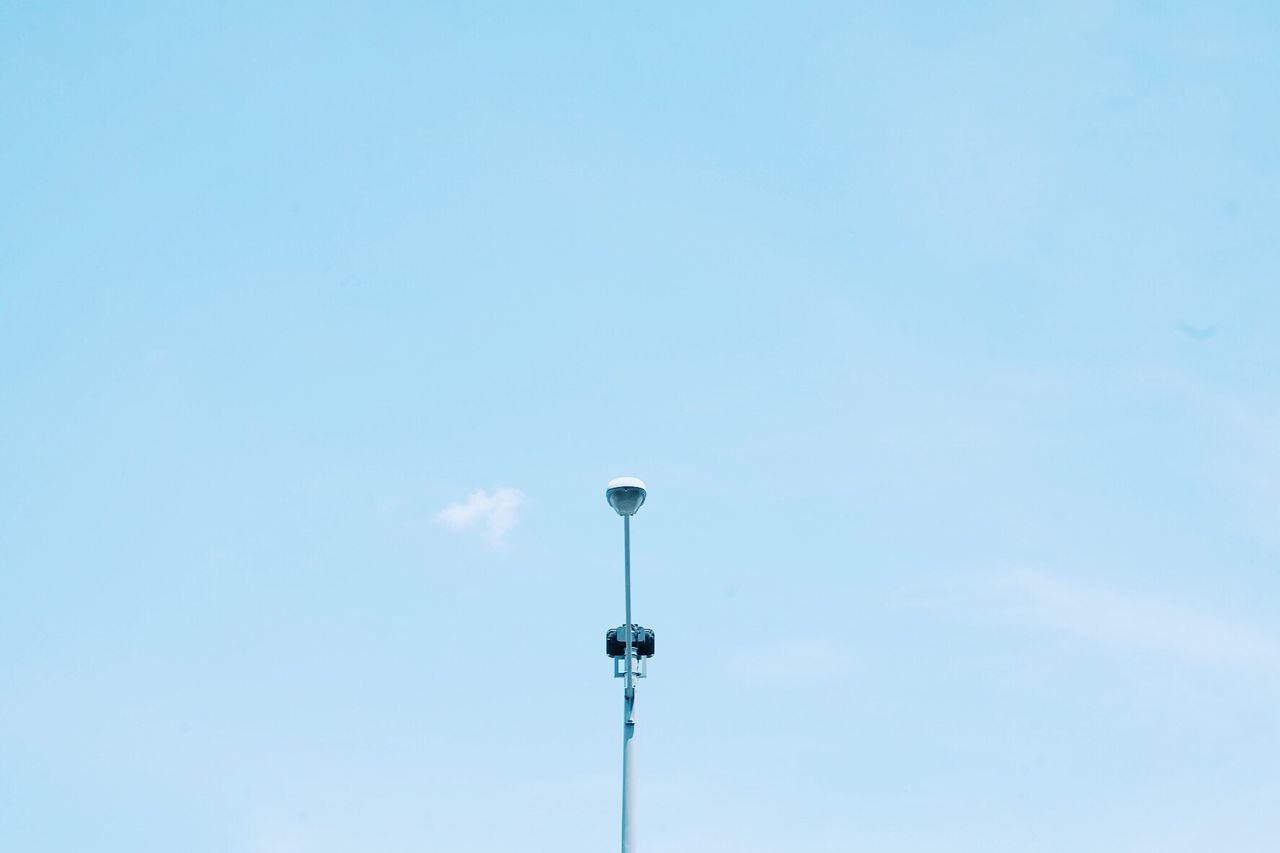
1114	619
496	513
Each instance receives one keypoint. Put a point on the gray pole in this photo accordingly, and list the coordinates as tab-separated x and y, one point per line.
628	697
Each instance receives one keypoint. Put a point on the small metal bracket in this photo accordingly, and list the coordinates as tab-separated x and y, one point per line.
638	665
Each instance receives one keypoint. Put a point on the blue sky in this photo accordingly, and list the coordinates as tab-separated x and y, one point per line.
944	338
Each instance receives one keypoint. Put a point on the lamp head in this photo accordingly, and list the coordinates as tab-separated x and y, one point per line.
625	494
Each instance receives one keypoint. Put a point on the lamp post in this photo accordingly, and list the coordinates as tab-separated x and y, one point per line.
630	645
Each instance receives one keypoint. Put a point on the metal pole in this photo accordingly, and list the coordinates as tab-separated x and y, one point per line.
628	697
626	574
628	737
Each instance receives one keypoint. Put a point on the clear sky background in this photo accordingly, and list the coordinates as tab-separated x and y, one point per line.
944	335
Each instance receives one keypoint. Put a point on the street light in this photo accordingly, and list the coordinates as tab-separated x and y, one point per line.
629	645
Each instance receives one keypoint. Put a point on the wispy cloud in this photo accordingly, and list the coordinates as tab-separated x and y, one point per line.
1244	454
1197	333
280	836
495	513
1126	621
790	662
